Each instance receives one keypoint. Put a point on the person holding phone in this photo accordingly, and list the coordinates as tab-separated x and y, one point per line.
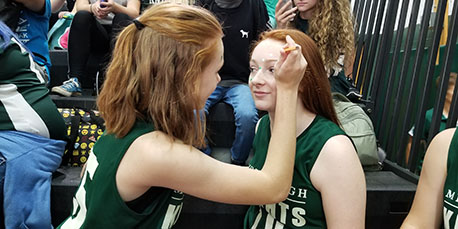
93	30
330	24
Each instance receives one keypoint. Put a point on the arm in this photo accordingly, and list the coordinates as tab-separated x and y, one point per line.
132	9
348	64
82	5
408	147
426	211
282	15
178	166
33	5
56	5
339	177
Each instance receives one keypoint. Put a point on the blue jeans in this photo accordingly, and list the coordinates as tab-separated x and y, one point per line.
28	163
245	115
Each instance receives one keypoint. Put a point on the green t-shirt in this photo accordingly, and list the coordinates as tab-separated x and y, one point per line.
24	101
97	203
428	119
303	207
451	186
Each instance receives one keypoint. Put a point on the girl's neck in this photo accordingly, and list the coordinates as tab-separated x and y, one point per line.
306	15
303	118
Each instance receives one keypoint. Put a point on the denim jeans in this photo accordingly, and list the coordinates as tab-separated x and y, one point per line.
26	192
245	115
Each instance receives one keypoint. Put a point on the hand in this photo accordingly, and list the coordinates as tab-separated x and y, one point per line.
107	7
291	66
96	10
62	14
283	14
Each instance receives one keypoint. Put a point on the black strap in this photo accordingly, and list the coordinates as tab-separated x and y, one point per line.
75	122
74	127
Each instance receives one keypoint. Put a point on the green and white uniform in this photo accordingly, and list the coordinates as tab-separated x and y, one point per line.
303	207
24	101
451	186
97	203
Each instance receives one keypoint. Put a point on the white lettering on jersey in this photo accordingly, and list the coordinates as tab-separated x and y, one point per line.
171	217
283	208
258	218
79	202
298	219
450	194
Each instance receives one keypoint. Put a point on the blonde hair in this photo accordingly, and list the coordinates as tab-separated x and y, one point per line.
155	72
331	27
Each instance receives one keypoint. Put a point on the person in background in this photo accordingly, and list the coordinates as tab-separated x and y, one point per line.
32	134
164	67
330	24
270	6
328	177
32	30
429	116
93	30
434	203
243	21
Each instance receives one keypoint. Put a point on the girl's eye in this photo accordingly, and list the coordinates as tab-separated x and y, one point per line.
272	70
253	69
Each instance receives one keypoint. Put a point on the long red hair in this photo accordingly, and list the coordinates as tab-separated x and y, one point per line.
314	89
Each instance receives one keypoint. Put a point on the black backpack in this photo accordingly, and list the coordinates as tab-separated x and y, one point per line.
10	12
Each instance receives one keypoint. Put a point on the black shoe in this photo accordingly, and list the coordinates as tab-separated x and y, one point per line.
238	163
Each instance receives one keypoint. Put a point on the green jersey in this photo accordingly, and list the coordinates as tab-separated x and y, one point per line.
303	207
451	186
24	101
97	203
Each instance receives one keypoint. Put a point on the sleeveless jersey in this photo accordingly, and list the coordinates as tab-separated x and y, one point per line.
24	101
97	203
303	207
451	186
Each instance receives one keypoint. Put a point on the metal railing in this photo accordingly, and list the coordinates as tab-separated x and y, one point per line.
395	67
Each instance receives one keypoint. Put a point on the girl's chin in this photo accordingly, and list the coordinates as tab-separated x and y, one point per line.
263	107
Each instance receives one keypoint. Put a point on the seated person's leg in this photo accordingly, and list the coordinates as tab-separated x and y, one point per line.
215	97
86	36
30	161
246	117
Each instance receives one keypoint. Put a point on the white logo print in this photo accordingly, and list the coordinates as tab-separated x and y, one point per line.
244	34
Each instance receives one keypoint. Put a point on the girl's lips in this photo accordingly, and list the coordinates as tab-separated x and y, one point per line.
260	93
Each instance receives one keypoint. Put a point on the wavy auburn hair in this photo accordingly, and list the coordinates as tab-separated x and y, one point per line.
314	88
331	27
154	74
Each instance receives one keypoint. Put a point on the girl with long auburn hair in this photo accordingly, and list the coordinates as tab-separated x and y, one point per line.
328	177
164	67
